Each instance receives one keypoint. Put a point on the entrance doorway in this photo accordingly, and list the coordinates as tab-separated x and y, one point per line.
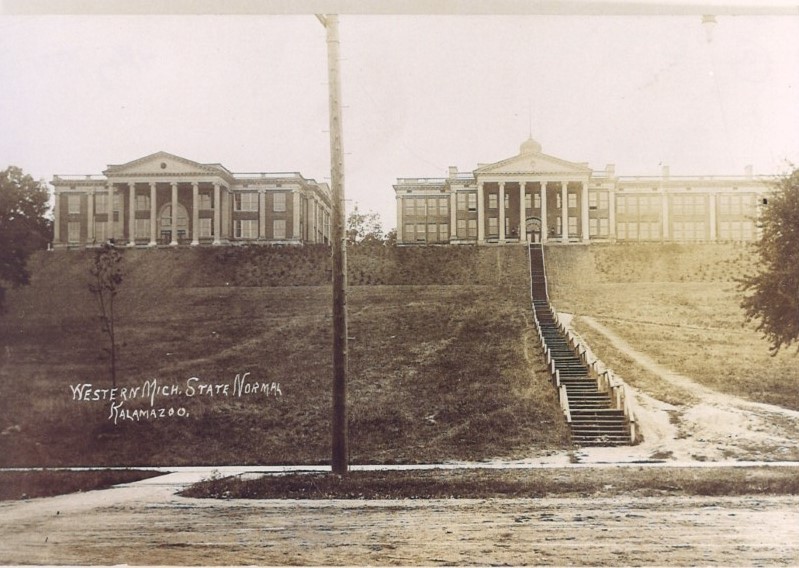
165	223
533	229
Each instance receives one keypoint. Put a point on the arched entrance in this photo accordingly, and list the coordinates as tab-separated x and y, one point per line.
533	229
165	223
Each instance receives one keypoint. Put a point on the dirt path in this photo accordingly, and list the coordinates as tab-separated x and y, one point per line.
718	427
146	523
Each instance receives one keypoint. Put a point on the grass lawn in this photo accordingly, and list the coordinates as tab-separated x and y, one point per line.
444	371
29	484
488	484
681	309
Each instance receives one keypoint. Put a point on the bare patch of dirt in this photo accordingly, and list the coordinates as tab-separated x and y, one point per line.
716	427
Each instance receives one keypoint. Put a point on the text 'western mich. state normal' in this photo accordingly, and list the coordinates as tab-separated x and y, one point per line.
169	400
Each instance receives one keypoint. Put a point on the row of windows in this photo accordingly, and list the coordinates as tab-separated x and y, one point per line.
466	229
736	204
243	202
244	229
467	201
688	205
638	204
598	200
688	231
426	206
599	227
736	231
638	231
429	232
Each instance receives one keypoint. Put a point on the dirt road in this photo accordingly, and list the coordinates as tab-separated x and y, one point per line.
145	523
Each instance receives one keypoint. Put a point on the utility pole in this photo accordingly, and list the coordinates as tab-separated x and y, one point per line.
340	457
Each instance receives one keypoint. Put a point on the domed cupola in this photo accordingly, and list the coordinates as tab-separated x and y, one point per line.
530	146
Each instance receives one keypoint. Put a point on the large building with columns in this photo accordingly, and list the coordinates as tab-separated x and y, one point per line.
163	199
534	197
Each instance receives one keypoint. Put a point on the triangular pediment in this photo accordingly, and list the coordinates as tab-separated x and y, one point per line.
532	164
164	163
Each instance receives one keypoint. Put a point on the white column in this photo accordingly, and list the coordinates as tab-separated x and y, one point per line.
217	214
296	216
544	227
399	218
664	216
174	240
90	216
132	215
712	198
481	215
612	214
56	217
195	213
110	211
153	213
584	211
522	214
225	212
501	211
453	216
564	211
261	213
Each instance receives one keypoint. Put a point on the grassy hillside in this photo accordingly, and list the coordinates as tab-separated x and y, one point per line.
679	304
439	369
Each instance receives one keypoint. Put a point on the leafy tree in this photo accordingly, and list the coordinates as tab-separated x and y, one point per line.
23	225
773	291
107	271
364	228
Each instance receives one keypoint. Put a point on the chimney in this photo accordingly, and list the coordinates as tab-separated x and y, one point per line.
610	170
665	172
748	172
453	171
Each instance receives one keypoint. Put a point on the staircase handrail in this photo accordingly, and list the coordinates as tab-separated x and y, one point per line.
563	398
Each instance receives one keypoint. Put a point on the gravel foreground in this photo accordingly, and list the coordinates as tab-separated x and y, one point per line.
147	523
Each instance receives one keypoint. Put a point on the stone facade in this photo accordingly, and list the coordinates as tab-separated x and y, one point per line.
534	197
133	204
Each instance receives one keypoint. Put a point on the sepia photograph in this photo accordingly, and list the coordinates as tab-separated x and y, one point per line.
330	283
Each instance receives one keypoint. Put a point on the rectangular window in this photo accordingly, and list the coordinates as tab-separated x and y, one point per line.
246	228
493	226
528	200
117	202
142	228
443	206
472	228
420	232
100	231
557	225
603	200
537	201
507	200
593	227
493	201
408	233
557	200
461	229
472	202
246	201
408	206
100	202
279	205
603	227
443	232
279	227
572	225
432	232
572	201
204	201
461	201
73	231
206	228
142	203
73	204
593	200
621	204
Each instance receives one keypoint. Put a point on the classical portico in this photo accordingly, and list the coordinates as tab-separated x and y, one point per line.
166	200
532	197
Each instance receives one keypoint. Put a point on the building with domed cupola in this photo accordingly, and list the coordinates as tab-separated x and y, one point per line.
535	197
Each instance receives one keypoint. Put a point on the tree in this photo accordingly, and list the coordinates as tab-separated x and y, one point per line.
772	293
364	228
107	271
23	225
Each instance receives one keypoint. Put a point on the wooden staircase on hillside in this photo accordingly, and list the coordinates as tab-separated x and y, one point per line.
597	417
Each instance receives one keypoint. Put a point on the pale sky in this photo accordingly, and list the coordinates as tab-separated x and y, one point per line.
421	93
